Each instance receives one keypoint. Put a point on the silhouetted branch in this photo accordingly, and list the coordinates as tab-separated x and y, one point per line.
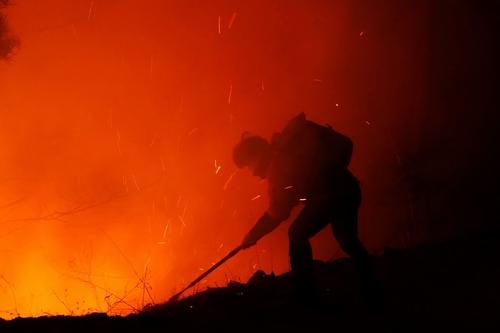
11	288
13	203
108	292
7	42
62	302
146	286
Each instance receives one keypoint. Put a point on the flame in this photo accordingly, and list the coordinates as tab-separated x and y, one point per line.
112	114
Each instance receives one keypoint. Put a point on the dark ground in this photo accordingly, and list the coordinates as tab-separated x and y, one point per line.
441	287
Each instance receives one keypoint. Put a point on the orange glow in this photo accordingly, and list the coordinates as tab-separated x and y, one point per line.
112	115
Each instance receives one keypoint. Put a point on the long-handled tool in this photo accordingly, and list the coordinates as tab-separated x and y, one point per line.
210	270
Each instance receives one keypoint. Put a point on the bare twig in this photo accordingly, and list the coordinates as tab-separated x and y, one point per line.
62	302
13	203
110	293
13	292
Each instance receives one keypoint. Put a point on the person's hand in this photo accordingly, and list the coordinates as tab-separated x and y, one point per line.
249	241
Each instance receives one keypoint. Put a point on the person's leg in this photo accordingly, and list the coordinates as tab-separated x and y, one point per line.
310	221
345	230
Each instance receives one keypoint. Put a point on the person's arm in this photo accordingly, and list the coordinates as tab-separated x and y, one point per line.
281	204
265	224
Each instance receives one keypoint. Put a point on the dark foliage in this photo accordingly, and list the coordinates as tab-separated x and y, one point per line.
7	42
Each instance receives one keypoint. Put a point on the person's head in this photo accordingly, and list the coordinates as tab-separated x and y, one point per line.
253	152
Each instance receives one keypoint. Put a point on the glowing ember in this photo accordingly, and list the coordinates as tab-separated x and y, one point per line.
231	21
226	184
91	8
230	93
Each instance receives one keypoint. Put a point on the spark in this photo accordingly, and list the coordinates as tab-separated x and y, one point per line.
219	28
368	123
161	243
288	187
182	221
254	266
165	229
125	183
230	93
231	21
135	183
302	199
361	34
221	246
337	105
217	167
91	8
226	184
256	197
318	80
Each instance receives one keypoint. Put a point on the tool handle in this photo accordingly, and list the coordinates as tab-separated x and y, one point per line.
210	270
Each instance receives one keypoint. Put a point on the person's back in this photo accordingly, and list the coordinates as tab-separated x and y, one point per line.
309	161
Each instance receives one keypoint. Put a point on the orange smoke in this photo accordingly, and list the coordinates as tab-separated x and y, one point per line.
118	120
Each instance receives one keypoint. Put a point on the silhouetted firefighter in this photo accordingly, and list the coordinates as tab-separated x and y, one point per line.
307	163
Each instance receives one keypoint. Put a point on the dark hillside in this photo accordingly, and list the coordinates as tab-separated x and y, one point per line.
446	286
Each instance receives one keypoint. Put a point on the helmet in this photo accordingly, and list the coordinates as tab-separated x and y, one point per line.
249	150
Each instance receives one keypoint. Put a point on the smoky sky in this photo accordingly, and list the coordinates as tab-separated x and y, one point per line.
7	41
126	112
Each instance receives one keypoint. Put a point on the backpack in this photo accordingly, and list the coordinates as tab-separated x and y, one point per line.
318	146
